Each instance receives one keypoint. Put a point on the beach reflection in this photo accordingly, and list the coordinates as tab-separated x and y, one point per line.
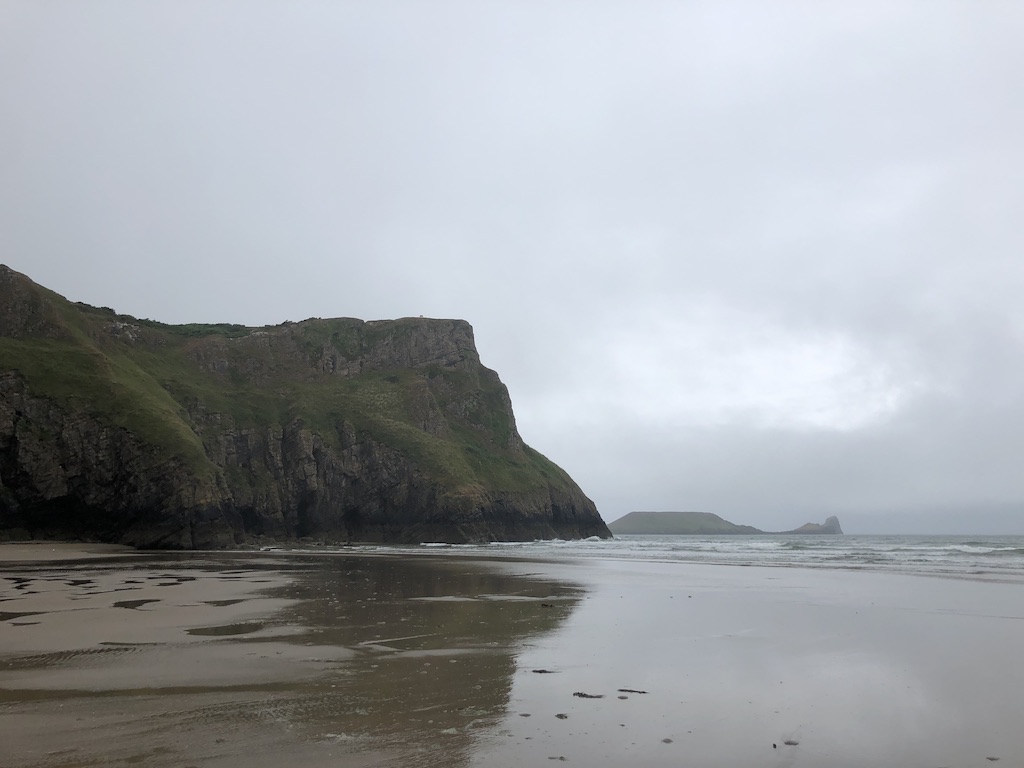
436	644
232	660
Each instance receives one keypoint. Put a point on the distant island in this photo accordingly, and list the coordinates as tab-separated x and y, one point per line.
704	524
831	525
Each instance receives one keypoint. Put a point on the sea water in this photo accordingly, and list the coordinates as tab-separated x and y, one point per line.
990	557
967	556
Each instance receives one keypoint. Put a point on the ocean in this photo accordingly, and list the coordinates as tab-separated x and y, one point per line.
974	557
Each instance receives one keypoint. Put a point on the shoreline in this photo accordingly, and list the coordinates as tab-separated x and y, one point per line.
39	550
381	658
995	559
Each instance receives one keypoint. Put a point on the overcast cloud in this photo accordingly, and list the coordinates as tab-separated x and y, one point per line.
761	259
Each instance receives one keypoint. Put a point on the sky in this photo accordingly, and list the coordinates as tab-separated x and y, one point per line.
759	259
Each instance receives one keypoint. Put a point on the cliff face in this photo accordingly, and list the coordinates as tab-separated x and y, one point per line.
132	431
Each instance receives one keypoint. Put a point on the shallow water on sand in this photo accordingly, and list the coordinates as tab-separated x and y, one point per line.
444	659
244	660
771	667
973	556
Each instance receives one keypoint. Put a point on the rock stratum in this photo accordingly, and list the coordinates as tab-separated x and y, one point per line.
205	436
703	524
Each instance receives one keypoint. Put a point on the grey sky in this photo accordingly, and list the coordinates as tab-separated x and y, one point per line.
758	259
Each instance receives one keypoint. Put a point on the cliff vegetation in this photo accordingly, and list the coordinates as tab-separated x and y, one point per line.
135	431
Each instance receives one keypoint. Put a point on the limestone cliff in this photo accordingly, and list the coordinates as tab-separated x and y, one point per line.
133	431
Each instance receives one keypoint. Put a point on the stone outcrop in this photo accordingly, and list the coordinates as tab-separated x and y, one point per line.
132	431
831	526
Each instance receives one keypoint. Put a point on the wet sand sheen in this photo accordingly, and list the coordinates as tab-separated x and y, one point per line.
250	660
344	659
770	667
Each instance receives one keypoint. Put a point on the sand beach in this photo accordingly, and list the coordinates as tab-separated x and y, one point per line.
432	658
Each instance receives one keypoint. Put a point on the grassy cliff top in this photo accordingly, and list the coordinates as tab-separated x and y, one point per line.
414	384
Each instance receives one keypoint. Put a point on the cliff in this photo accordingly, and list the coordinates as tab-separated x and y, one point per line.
199	436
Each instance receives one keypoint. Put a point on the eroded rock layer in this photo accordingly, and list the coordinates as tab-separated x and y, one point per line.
133	431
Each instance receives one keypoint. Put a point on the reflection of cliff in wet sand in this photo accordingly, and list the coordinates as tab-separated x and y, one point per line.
442	661
262	661
437	643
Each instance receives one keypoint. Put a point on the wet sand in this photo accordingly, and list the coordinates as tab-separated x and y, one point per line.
266	659
744	666
29	551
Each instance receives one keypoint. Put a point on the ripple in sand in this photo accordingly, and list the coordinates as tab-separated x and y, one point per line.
60	658
243	628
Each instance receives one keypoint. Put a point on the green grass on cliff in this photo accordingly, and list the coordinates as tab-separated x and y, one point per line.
454	424
464	455
82	379
385	406
189	330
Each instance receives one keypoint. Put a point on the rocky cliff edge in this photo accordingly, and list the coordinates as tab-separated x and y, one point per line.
198	436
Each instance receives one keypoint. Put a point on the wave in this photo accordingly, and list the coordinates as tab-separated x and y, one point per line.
970	557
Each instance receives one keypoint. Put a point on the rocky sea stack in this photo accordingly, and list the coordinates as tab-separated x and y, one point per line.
201	436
